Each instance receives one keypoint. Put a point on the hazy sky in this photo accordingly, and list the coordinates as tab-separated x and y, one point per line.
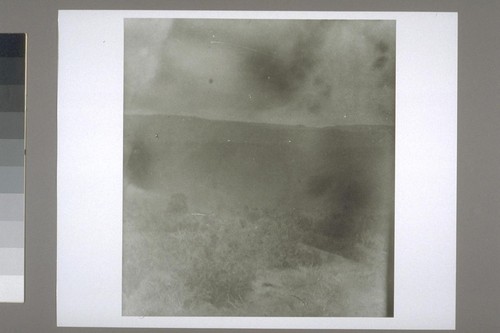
314	73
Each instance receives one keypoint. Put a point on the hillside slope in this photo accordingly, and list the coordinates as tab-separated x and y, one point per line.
232	165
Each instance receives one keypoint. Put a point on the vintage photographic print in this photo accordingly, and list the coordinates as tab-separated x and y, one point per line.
258	167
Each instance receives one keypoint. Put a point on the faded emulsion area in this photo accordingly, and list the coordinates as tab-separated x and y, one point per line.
258	167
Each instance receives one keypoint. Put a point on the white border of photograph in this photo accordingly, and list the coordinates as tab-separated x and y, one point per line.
90	152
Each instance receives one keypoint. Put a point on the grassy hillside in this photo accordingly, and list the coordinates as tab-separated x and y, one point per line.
234	218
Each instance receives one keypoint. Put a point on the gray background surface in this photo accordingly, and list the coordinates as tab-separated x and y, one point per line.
478	268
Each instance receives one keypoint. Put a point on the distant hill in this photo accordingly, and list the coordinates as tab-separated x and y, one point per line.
229	165
195	129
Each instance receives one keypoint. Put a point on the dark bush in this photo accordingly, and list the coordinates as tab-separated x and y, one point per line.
138	166
178	204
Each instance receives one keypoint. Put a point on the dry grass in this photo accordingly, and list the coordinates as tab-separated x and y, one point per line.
180	264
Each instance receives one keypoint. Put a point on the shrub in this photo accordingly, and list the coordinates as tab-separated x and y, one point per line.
137	167
178	204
